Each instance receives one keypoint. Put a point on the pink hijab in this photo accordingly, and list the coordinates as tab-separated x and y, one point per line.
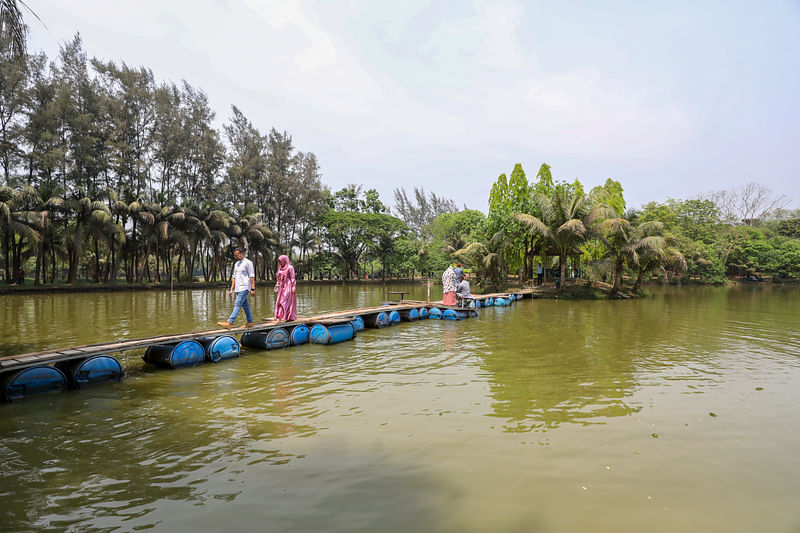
283	267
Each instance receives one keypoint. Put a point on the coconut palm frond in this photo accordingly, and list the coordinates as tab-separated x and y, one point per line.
491	259
571	228
533	224
472	249
653	244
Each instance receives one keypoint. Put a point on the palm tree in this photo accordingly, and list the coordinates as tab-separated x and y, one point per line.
305	239
487	257
49	201
669	258
563	224
89	218
12	24
195	230
218	223
159	221
17	217
640	247
258	239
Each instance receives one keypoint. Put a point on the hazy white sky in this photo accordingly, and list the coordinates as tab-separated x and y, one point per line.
672	99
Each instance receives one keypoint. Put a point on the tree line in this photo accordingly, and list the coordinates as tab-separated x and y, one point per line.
744	232
104	172
108	174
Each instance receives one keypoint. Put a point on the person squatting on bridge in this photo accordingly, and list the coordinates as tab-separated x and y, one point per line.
243	282
286	289
463	292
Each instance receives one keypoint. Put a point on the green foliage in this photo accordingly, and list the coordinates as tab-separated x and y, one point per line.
102	169
697	219
704	262
790	228
420	213
352	234
609	194
454	229
353	198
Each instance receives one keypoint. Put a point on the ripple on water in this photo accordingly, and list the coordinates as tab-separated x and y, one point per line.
428	416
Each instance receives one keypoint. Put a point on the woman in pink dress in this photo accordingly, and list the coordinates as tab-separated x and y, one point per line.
286	287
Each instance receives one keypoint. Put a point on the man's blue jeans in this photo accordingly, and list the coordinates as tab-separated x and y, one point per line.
239	303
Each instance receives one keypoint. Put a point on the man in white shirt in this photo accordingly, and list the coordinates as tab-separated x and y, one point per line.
243	283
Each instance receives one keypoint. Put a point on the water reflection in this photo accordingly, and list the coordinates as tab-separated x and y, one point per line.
557	368
398	429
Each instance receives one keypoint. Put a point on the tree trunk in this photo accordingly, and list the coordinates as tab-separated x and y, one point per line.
6	249
638	284
158	262
617	278
39	261
96	261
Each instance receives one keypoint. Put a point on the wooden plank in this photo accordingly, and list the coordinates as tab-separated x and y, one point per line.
28	359
332	321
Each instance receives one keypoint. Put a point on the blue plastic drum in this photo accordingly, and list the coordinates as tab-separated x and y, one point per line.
500	302
377	320
488	302
452	314
358	324
435	313
182	354
332	334
299	335
423	313
266	340
219	348
394	318
32	381
409	315
96	369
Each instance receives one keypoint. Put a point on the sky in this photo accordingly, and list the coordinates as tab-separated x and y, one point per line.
672	99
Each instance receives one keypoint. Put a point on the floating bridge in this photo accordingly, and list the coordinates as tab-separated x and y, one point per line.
78	367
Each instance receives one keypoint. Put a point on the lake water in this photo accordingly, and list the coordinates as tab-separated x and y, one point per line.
675	412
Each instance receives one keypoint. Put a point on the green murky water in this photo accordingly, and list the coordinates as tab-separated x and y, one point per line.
677	412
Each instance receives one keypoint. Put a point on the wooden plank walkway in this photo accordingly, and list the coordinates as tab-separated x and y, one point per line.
15	362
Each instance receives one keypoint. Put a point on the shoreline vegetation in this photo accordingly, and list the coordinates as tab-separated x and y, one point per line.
107	173
573	288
